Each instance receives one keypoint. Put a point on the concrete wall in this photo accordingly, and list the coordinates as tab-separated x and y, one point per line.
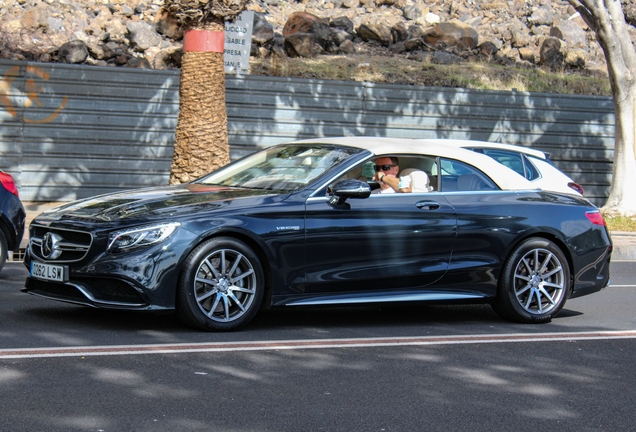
70	131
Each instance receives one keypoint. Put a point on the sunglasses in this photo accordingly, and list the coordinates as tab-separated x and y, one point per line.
383	167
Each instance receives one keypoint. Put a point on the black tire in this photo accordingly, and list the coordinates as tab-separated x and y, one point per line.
4	248
534	283
221	286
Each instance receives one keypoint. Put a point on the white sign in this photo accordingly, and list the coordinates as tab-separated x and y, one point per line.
238	41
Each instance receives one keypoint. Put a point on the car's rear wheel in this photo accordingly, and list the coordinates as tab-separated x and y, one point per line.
3	249
221	286
535	282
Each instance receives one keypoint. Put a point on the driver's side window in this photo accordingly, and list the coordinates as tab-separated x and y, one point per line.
421	168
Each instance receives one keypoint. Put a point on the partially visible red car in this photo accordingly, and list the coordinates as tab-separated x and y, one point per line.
12	217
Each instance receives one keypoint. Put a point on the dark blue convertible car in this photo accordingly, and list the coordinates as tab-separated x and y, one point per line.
300	224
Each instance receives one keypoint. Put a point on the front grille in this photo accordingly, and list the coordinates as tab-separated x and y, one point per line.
68	245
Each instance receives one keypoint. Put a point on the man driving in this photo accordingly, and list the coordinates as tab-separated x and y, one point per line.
386	171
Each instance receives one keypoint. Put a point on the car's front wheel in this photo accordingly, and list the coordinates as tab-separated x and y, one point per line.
535	282
221	286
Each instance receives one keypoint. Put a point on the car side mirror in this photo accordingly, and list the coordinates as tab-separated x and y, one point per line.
348	188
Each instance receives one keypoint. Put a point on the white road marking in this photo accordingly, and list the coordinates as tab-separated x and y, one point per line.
109	350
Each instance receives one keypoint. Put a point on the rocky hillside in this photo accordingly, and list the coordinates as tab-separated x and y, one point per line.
137	33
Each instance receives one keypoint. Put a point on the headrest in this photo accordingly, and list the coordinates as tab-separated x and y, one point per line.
407	171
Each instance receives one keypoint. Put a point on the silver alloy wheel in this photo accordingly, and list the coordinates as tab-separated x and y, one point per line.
539	281
225	285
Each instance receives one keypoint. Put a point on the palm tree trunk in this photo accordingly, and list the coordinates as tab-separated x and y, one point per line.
201	141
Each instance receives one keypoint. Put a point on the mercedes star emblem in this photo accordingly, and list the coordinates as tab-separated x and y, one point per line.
49	247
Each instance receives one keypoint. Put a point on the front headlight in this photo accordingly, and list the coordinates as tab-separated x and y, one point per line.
126	240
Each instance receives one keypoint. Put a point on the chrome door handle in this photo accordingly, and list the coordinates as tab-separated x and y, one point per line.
428	205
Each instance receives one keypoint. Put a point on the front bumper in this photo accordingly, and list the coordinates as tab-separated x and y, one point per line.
144	279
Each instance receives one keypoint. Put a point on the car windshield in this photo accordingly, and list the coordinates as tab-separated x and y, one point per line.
281	168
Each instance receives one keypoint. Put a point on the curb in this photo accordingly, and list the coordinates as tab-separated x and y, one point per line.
624	246
624	253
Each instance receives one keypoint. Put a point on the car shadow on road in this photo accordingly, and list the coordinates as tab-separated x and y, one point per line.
84	317
460	317
387	316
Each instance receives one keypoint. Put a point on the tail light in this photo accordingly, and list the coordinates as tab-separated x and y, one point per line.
577	187
595	217
8	183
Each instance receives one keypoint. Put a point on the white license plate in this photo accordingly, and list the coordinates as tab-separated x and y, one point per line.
47	271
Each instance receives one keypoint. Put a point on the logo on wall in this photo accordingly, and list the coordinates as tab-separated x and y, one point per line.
31	98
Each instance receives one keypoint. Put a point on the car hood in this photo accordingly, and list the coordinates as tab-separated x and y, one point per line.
153	203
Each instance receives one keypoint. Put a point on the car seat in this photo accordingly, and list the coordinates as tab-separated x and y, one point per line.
421	180
471	182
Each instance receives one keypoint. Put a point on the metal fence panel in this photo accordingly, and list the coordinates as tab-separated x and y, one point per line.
87	130
70	131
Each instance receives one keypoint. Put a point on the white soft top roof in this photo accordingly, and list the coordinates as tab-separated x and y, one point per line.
503	176
485	144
